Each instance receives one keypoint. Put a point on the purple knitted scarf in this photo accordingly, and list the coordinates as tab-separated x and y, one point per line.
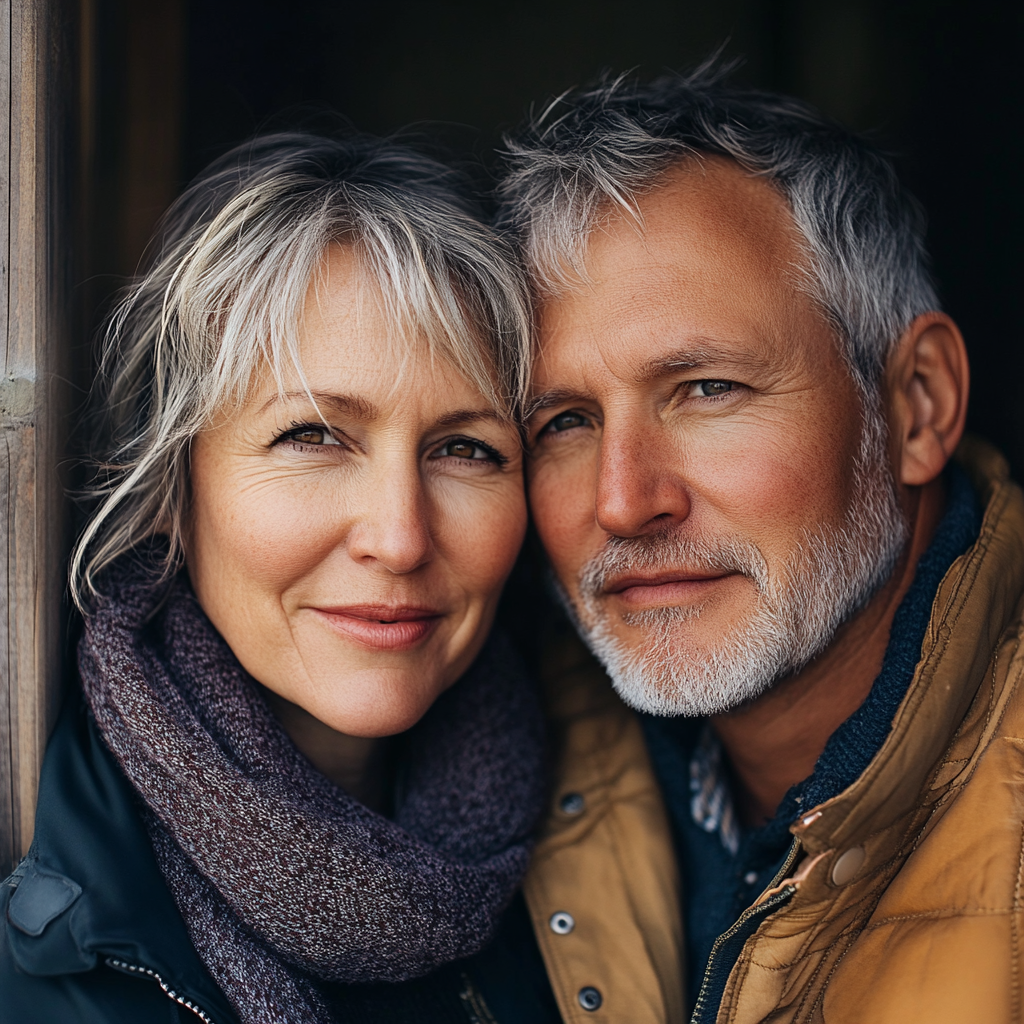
282	878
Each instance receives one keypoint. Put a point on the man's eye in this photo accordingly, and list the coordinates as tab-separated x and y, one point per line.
566	421
464	448
713	388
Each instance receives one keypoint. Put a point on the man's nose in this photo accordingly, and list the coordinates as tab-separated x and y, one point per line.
392	527
640	484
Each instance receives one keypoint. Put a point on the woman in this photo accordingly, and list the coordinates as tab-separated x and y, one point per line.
311	498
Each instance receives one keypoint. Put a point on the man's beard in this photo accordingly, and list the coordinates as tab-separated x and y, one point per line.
829	578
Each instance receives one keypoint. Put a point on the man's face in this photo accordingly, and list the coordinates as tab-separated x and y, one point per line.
700	473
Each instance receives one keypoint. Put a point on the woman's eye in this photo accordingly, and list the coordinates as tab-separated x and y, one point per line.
311	435
566	421
463	448
714	388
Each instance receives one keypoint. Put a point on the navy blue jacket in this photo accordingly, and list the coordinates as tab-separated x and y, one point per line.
89	932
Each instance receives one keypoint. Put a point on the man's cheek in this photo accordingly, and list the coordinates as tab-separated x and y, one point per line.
561	495
562	519
770	484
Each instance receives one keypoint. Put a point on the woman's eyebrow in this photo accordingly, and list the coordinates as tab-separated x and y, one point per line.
361	408
467	416
352	405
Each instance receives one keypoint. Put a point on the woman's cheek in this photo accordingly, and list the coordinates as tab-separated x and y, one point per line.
483	533
282	527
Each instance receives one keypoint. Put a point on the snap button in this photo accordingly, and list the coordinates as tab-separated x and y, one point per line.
572	803
590	998
561	923
847	865
750	877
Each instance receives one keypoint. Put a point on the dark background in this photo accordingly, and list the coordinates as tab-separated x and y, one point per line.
940	85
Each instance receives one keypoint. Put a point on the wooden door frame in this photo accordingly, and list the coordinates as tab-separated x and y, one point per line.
92	91
37	157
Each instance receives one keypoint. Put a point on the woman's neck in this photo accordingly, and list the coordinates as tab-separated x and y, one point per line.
357	764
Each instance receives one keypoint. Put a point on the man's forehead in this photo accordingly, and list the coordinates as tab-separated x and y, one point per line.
713	268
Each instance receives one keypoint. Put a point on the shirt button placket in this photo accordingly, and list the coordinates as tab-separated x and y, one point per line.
562	922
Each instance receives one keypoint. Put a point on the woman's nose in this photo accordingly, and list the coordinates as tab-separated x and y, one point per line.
392	525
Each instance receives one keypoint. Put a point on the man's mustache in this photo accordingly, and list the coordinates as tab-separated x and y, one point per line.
671	551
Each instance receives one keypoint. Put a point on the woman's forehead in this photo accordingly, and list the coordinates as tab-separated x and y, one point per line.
354	339
370	374
343	294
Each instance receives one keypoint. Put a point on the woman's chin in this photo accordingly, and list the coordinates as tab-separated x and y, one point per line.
374	708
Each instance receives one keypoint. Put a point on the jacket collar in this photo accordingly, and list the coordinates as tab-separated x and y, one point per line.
90	890
976	603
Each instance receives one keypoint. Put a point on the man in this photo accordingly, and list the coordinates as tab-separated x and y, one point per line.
746	402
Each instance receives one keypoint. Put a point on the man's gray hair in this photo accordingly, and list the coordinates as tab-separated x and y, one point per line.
227	282
598	148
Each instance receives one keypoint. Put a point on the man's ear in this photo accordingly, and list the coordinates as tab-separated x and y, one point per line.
927	379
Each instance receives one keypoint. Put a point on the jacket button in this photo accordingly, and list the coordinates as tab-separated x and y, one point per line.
572	803
561	923
847	865
590	998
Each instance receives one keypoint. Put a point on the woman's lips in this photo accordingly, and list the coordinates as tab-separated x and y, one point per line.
382	627
664	589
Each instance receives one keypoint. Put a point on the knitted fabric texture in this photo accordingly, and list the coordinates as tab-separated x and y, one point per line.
282	878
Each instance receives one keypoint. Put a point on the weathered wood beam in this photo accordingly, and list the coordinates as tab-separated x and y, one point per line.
36	64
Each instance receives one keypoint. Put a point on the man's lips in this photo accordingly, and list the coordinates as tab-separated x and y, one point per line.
665	588
382	627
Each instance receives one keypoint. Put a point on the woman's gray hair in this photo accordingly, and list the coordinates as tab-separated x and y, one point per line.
601	147
222	299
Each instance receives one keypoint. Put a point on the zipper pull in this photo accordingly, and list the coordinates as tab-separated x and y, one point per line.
805	869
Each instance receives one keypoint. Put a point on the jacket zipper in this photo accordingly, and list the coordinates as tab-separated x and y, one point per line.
122	965
750	915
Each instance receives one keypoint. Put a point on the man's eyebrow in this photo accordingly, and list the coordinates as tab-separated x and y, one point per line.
551	398
689	358
353	405
693	358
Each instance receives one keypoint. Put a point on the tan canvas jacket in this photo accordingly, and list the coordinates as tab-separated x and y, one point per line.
902	901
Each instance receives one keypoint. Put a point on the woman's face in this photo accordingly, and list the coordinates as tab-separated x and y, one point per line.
352	551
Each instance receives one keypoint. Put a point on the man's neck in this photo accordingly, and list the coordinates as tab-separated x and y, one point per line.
774	742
